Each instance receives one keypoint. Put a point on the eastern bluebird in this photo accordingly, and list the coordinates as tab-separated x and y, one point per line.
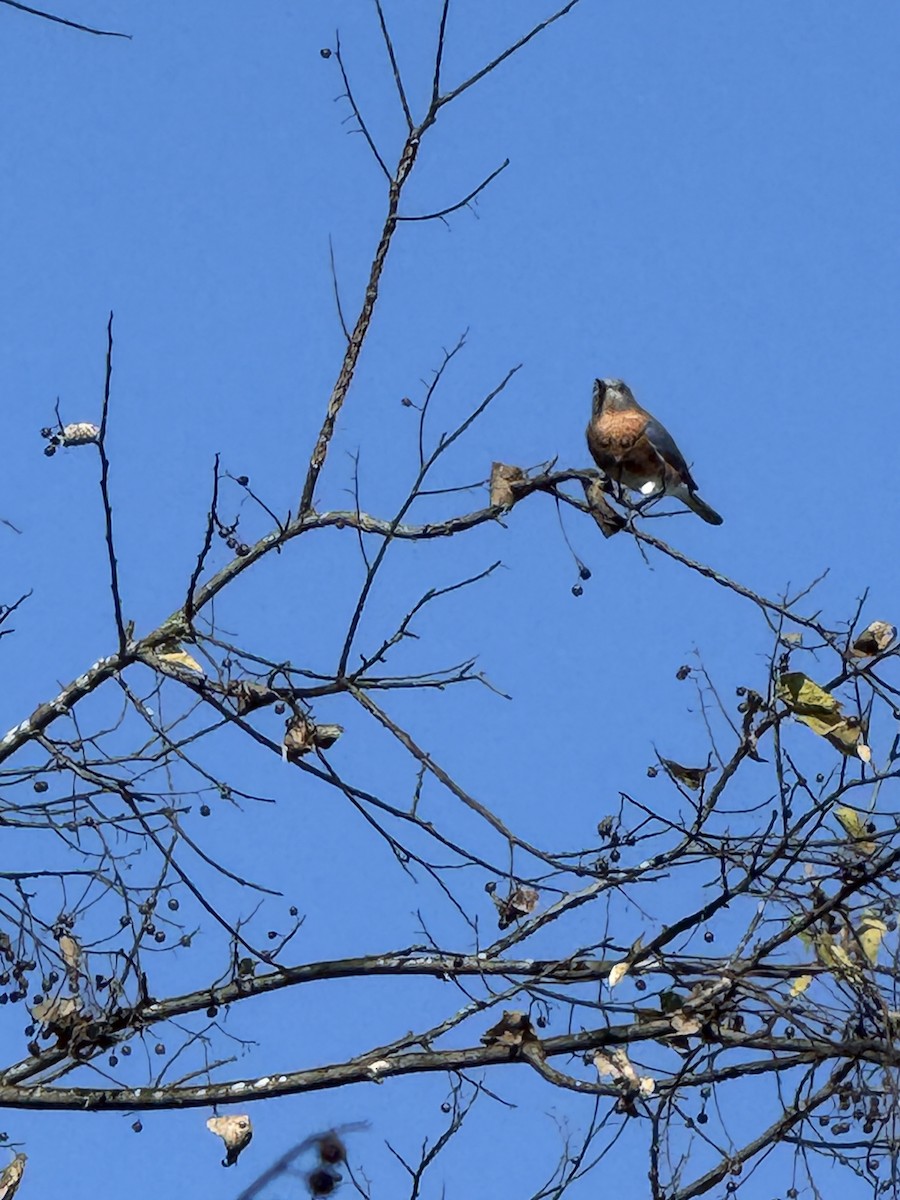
632	448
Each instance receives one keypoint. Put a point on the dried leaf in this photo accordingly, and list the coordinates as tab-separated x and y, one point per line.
59	1013
685	1024
11	1176
502	478
847	736
689	777
302	735
79	433
249	695
856	828
869	933
514	1029
800	984
616	1064
519	903
235	1131
172	653
873	640
606	517
298	737
618	972
376	1067
71	953
326	735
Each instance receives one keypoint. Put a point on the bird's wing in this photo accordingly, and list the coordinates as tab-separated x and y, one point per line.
664	445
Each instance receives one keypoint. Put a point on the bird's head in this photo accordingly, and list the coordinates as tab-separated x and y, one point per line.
611	395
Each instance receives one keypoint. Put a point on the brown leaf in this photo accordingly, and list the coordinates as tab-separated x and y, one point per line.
326	735
689	777
11	1176
298	737
502	479
606	517
685	1024
71	954
877	637
59	1013
302	735
249	696
514	1029
235	1131
519	903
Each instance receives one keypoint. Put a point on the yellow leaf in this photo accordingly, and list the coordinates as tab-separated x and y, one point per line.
856	828
175	654
831	954
822	713
802	696
800	984
870	932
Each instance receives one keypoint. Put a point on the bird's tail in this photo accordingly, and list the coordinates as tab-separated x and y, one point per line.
701	508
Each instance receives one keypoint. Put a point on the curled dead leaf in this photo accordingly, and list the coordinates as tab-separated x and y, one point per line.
689	777
176	656
302	735
71	955
685	1024
11	1176
236	1131
79	433
607	519
59	1013
873	640
326	735
616	1065
502	479
618	972
514	1029
519	903
249	696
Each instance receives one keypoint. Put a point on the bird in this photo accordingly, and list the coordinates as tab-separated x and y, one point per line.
635	450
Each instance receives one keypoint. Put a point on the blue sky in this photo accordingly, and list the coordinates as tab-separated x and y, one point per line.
701	199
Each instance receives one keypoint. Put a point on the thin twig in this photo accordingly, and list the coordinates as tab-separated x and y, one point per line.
37	12
104	491
460	203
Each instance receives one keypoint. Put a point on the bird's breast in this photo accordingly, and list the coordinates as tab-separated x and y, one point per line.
613	435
